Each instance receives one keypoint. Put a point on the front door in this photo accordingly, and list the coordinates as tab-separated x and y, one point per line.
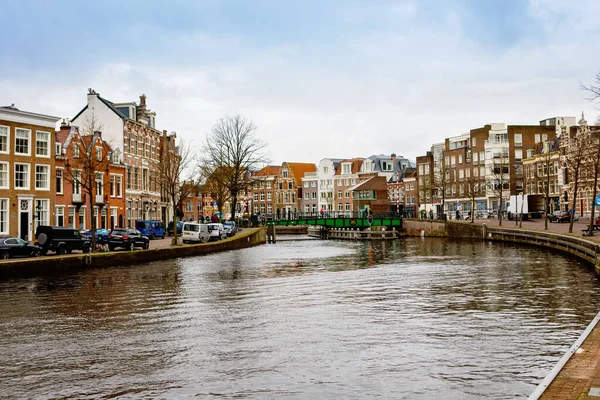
24	225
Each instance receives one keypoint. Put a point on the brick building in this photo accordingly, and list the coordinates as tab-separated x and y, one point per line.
27	171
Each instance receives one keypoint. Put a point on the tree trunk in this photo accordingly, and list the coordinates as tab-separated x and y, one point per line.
592	216
174	239
500	211
574	209
233	204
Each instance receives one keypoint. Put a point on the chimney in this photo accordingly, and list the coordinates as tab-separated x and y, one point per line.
394	161
143	100
64	124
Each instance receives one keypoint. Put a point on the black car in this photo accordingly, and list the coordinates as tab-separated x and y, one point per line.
16	247
61	240
127	238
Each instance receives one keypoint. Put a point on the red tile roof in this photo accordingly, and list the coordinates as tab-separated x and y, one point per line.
269	170
299	169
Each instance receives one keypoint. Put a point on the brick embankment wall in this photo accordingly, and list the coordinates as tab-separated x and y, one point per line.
53	263
415	227
291	230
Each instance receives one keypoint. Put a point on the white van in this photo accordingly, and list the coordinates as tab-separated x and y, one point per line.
193	232
217	231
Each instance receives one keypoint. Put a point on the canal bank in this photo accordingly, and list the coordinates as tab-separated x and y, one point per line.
59	264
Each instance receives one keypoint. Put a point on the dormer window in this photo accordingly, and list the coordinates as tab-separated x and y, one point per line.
346	168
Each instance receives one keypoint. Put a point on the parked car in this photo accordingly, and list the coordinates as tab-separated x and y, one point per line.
151	228
61	240
170	228
217	231
127	238
230	228
12	247
560	216
193	232
101	235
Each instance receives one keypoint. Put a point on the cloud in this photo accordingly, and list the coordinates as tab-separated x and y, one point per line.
360	78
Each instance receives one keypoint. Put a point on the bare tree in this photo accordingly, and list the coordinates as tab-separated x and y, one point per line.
573	150
446	179
219	191
592	164
87	162
500	180
472	192
175	174
541	177
425	190
233	149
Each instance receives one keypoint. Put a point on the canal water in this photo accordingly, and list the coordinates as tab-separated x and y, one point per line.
411	319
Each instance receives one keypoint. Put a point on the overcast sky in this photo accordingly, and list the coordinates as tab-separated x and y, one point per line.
318	78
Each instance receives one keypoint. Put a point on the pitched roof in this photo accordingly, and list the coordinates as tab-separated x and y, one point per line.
269	170
299	169
373	183
356	165
108	104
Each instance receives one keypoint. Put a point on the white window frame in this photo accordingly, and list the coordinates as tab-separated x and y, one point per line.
7	186
62	180
27	180
7	135
4	216
60	212
28	141
47	178
37	133
44	213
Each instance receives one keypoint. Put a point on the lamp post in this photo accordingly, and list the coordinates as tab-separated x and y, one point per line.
516	167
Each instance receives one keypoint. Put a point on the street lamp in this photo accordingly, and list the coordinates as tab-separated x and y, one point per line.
516	166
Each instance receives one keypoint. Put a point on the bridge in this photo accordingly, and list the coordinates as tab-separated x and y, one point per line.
340	220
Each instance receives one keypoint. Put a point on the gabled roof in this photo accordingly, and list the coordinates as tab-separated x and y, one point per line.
108	104
299	169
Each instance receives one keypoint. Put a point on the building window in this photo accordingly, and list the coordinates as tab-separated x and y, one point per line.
4	216
4	140
22	137
518	139
21	176
43	205
76	174
82	217
60	216
518	155
42	144
42	177
99	153
285	174
347	206
346	168
4	175
59	181
290	185
76	150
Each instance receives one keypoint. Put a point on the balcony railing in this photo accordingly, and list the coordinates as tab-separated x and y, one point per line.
78	198
99	199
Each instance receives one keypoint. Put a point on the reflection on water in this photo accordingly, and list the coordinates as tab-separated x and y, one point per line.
309	319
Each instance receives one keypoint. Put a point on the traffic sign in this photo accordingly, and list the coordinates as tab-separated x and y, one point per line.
597	201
